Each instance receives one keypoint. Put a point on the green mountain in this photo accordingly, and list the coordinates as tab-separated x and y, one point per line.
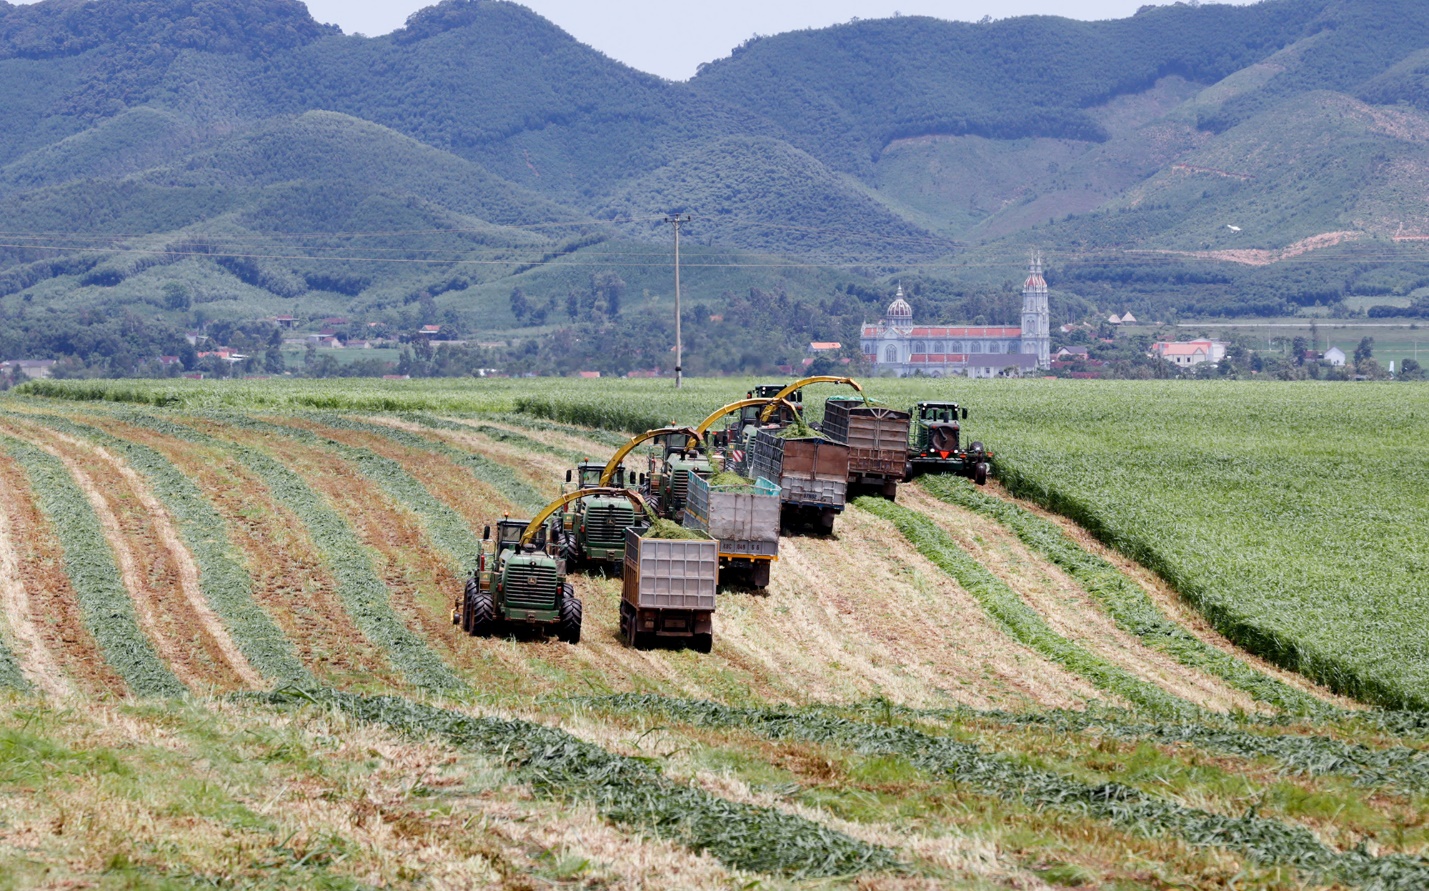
170	164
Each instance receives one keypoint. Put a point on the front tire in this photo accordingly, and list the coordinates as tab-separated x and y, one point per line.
571	608
980	473
482	615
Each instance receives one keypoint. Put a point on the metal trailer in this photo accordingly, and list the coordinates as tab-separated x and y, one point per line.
812	475
668	590
745	522
877	440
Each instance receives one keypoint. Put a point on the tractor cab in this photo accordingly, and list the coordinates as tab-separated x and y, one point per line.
508	537
669	479
782	415
937	428
588	474
934	443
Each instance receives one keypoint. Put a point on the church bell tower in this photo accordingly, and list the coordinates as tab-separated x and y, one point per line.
1036	318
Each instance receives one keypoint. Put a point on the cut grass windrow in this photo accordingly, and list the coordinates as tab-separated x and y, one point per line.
225	582
627	791
363	594
1124	600
448	530
1265	841
1402	767
432	422
10	673
595	434
106	605
1020	620
495	474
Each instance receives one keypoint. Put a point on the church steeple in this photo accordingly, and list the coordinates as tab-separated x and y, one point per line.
1036	318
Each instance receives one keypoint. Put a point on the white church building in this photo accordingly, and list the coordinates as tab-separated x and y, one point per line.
898	346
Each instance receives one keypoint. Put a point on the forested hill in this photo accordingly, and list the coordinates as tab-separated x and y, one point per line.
181	162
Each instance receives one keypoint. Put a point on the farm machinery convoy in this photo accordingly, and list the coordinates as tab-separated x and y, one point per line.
709	508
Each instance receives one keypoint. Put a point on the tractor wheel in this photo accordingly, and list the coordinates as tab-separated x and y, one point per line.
570	627
481	621
702	643
890	490
472	586
759	575
980	473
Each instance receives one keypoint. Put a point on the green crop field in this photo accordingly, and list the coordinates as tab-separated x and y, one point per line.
1177	643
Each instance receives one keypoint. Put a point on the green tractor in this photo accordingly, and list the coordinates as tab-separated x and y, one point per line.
592	528
934	444
519	583
669	478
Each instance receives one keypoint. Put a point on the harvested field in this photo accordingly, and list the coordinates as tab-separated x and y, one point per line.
290	581
1069	610
155	566
878	706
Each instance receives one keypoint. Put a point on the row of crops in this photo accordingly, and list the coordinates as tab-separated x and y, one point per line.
1290	514
990	757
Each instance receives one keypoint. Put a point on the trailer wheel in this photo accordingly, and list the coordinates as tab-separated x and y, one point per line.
480	620
890	490
980	474
702	643
826	521
570	627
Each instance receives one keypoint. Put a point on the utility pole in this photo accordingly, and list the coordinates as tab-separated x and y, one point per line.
675	220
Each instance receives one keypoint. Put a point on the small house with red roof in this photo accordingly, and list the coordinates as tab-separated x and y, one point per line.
1189	353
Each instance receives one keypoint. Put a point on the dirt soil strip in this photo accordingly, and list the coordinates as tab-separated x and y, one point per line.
1069	610
421	580
290	581
34	650
1172	604
154	565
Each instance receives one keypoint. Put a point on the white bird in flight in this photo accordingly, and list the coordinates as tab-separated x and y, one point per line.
1232	228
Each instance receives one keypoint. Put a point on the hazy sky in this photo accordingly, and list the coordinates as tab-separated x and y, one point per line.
671	37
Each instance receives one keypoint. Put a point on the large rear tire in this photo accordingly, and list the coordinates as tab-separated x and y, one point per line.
482	613
702	643
571	608
890	490
826	521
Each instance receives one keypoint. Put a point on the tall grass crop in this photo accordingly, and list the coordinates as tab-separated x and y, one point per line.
629	791
1125	601
226	584
104	602
1015	616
